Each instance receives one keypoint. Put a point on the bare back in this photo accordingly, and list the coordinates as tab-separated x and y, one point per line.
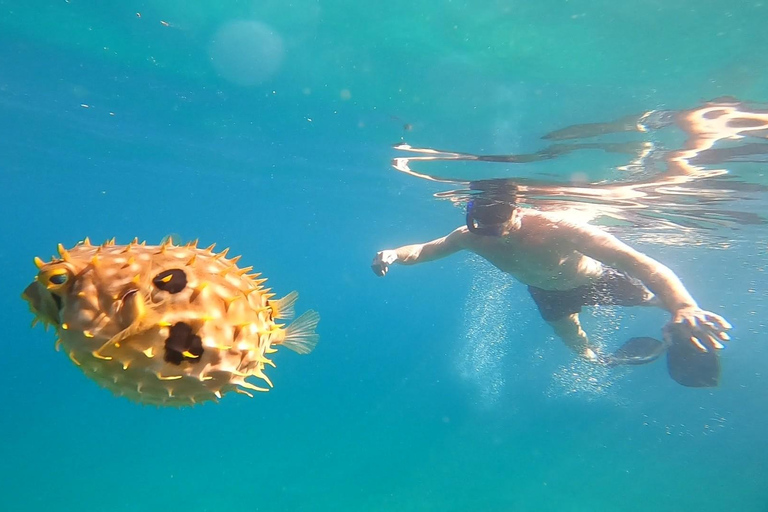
533	255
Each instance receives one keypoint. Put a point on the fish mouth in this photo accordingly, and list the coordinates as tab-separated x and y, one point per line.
44	308
57	300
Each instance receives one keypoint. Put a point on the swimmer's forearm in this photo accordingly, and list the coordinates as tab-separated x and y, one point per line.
430	251
671	292
409	254
416	253
664	284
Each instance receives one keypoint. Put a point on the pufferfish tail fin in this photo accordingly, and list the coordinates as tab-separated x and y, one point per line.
300	336
283	308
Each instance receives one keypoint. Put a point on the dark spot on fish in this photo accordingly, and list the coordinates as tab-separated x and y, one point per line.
182	345
172	280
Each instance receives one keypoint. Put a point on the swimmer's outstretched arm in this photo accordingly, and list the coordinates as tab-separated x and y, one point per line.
420	253
704	328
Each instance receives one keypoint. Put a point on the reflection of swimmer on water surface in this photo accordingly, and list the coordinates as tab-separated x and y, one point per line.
567	265
663	185
718	119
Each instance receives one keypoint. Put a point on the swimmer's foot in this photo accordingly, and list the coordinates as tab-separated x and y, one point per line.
686	364
635	351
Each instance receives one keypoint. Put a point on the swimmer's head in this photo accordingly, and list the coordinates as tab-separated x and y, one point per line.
490	216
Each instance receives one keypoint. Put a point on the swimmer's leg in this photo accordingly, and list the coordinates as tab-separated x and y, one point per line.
568	329
635	351
618	289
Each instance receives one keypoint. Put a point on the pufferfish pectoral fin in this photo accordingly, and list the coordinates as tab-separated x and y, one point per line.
283	308
300	336
131	308
132	317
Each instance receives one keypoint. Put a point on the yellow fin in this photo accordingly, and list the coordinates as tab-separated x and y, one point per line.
141	319
172	239
283	308
131	306
300	336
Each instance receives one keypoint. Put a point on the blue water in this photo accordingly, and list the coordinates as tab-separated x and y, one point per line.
436	388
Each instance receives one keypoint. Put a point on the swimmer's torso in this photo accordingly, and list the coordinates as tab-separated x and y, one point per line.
534	258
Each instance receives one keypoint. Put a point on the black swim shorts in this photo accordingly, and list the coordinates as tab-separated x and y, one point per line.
613	288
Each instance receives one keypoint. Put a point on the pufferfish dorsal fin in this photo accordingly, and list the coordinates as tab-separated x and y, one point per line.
300	336
283	308
172	239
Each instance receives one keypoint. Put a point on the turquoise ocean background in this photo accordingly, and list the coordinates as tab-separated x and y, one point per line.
268	127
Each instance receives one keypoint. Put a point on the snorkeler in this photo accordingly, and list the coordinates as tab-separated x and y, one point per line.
567	266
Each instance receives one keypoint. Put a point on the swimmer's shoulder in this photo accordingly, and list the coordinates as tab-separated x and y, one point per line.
460	236
531	218
463	238
548	227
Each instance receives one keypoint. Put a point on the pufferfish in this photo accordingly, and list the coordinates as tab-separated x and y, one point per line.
166	325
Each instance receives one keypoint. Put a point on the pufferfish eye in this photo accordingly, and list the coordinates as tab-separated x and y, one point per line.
172	280
55	279
58	279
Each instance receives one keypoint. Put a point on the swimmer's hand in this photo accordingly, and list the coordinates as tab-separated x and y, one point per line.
382	261
704	329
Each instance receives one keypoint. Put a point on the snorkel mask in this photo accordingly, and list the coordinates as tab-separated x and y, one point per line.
490	209
480	228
